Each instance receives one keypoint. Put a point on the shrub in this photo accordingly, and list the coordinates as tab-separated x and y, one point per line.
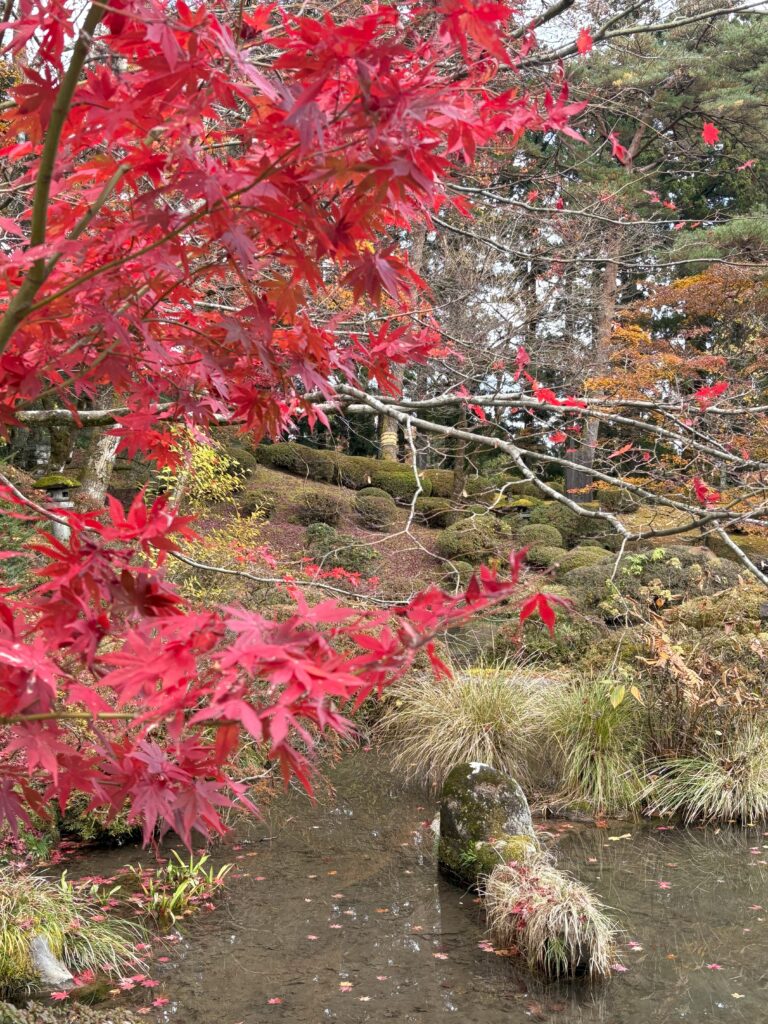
650	579
312	463
338	551
441	482
727	781
438	513
64	916
616	499
480	486
598	745
377	492
572	526
397	480
538	534
375	513
96	826
581	556
521	506
355	471
231	546
470	540
246	460
486	714
318	507
560	928
207	473
544	555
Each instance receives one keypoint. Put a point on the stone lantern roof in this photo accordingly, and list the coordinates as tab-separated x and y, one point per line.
56	482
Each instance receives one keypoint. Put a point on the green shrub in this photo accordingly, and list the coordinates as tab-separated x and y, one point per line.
251	503
727	781
538	534
441	482
96	825
544	555
375	513
318	507
574	527
484	714
472	540
438	513
338	550
558	926
68	919
616	499
599	746
480	486
291	457
397	480
521	506
581	556
377	492
575	638
355	471
245	459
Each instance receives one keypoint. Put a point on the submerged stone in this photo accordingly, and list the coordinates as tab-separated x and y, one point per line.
484	821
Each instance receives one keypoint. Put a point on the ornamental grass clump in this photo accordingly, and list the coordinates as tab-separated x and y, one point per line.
727	781
488	715
559	927
598	744
66	918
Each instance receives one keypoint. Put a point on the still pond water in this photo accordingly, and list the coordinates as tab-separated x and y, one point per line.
340	915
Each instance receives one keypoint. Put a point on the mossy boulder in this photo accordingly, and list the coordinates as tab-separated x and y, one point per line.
75	1013
650	580
473	540
742	608
484	821
398	481
574	527
441	482
539	534
544	556
582	556
754	546
375	513
438	513
459	572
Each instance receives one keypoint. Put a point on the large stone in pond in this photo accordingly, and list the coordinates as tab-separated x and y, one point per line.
484	821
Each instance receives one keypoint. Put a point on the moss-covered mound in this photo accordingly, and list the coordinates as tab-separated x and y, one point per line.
334	550
650	580
579	557
616	499
754	546
743	608
473	540
377	492
376	513
537	534
318	507
573	527
544	556
439	513
441	481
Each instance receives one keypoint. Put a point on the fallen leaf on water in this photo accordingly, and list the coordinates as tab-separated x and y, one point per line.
714	967
274	1001
737	995
345	986
440	956
364	999
665	885
312	938
619	968
615	839
382	977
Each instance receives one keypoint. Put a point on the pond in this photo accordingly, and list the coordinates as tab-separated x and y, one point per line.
336	913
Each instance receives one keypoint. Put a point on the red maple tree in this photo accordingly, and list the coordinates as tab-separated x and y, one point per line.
158	154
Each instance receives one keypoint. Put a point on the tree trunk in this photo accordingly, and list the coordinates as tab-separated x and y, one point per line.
578	483
98	469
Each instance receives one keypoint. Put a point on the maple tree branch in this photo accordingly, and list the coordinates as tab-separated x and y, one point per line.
36	275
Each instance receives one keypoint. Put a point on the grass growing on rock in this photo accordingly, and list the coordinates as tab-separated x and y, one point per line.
489	715
64	915
560	928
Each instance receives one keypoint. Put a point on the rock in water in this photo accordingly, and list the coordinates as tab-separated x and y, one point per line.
484	821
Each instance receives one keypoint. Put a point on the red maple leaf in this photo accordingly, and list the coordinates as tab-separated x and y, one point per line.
710	133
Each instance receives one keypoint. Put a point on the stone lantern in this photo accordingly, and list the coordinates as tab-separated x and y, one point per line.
57	488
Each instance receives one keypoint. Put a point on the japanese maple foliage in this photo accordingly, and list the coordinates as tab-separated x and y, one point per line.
158	157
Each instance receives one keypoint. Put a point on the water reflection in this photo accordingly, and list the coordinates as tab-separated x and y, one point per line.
340	916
